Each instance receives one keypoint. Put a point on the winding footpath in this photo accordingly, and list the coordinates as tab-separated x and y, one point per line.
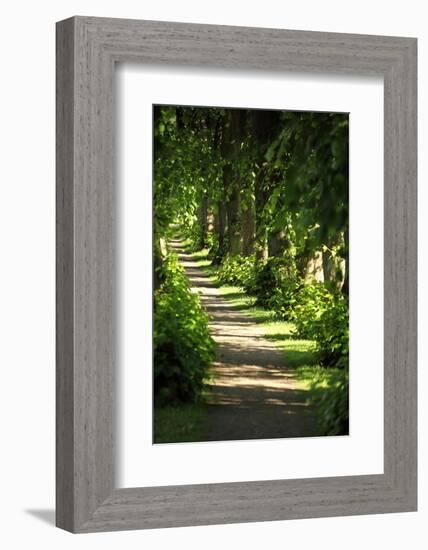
254	395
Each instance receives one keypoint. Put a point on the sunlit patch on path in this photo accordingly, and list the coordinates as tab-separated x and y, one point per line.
254	394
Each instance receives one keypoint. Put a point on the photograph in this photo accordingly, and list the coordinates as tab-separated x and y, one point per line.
250	274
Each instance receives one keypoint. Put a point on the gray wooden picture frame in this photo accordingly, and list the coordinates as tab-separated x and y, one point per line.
87	50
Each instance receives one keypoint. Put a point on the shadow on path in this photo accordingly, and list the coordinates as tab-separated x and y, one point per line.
254	394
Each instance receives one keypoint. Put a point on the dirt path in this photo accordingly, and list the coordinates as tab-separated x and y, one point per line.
254	395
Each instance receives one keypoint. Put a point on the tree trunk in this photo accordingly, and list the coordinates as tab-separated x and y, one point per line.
277	243
328	266
333	264
345	287
203	222
261	242
265	126
314	268
248	220
233	131
232	208
158	261
304	257
220	225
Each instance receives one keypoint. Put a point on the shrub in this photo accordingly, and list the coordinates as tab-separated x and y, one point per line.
318	313
275	285
183	347
267	278
217	251
330	398
312	300
284	298
237	271
332	334
324	317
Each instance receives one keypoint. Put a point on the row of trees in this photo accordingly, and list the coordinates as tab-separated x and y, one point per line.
268	184
267	193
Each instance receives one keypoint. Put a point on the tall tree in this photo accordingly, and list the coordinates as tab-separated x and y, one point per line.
265	127
233	134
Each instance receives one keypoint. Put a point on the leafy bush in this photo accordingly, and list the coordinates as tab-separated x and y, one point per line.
193	237
237	271
183	347
217	252
324	317
318	313
284	298
275	284
267	277
313	299
332	334
330	398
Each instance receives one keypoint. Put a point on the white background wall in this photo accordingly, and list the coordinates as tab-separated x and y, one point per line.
27	271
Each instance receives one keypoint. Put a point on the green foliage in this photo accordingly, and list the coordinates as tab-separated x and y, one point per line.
183	347
178	424
275	286
329	391
318	313
328	387
333	334
323	316
283	298
312	148
313	300
267	278
186	167
293	166
252	181
237	271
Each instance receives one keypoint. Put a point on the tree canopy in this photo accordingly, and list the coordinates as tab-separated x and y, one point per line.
269	183
265	194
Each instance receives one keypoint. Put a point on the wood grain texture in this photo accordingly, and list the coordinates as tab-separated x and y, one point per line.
87	49
64	276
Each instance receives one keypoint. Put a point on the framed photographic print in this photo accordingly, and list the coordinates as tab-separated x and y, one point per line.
236	274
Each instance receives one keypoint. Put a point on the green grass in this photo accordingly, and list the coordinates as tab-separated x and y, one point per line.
311	374
300	354
188	423
179	424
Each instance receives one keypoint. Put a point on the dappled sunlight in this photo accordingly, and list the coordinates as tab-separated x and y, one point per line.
255	373
251	276
250	395
255	391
